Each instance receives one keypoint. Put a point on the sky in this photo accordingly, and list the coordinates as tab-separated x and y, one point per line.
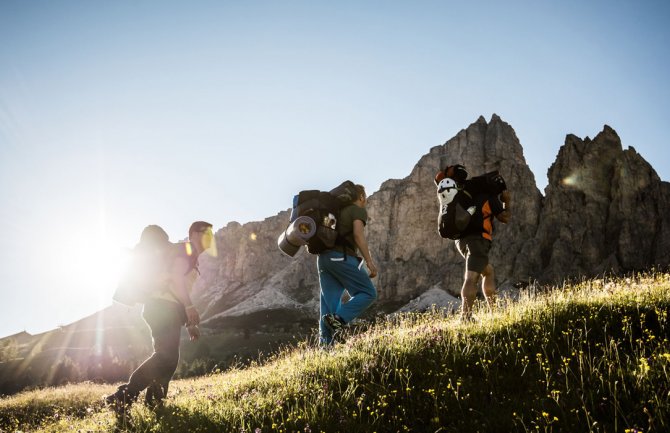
119	114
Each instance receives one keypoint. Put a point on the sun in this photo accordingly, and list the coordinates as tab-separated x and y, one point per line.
87	265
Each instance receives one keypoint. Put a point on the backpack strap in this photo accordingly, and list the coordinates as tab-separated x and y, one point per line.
185	250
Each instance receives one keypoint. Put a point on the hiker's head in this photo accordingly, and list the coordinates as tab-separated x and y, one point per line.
153	236
361	197
200	233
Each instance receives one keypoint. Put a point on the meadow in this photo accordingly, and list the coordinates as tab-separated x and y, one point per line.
592	356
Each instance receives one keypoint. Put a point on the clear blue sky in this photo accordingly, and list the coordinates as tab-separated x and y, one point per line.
118	114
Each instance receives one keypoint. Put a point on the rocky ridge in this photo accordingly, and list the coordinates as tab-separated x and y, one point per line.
604	209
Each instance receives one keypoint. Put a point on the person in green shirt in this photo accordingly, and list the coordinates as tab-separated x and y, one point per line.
342	269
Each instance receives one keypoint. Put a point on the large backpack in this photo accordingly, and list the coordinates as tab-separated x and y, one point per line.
314	218
457	194
456	209
148	272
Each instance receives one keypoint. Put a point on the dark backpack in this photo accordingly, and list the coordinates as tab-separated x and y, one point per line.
458	207
455	216
148	271
323	211
489	183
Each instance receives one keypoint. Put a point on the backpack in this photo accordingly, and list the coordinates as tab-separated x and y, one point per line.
147	271
314	217
457	194
456	209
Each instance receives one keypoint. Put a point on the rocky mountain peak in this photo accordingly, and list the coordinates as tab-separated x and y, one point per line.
604	209
603	198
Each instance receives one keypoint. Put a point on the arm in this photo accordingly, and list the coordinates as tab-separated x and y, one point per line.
180	290
362	244
506	214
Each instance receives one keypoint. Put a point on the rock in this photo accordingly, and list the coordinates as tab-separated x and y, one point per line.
403	214
249	266
605	209
434	297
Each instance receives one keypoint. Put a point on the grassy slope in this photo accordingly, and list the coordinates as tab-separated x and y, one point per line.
590	357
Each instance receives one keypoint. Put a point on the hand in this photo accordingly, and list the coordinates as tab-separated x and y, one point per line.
193	332
372	268
192	316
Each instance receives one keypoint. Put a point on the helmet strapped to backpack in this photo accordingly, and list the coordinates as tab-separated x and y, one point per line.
447	190
456	194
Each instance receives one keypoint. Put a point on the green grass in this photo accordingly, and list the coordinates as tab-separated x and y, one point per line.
593	356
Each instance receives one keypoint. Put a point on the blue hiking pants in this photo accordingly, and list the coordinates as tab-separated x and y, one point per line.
337	273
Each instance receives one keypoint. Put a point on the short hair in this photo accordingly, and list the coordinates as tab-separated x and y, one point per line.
360	189
198	226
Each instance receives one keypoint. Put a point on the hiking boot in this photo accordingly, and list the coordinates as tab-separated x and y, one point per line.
334	323
116	404
155	396
119	401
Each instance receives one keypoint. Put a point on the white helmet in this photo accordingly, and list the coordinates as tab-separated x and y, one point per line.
446	190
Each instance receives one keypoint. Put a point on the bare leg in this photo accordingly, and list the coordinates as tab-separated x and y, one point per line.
468	293
489	286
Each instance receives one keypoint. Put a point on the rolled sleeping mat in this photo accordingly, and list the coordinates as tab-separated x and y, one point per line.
296	235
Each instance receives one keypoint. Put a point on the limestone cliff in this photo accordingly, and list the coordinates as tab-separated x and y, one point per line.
604	209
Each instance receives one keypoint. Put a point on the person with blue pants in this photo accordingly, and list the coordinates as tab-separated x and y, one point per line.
342	269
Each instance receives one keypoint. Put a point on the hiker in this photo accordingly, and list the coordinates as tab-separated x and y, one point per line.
474	245
167	308
340	269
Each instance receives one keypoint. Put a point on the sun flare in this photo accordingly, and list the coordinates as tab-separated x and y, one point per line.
88	265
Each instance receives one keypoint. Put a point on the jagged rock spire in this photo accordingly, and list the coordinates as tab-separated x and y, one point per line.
605	209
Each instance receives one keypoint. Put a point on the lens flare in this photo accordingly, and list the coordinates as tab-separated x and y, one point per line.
212	251
572	180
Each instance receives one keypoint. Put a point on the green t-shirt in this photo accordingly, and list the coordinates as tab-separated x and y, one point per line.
345	227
